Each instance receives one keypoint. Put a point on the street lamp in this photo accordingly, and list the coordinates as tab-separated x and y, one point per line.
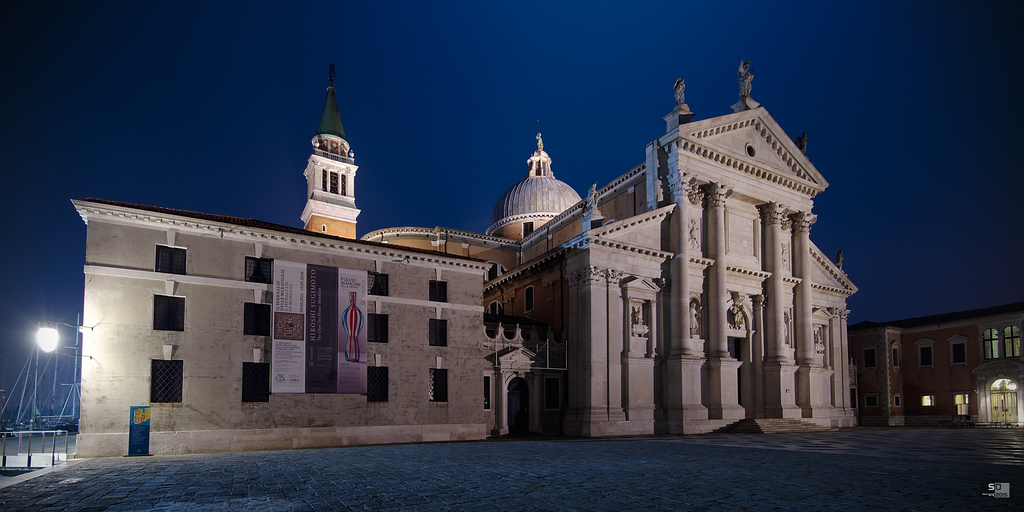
47	338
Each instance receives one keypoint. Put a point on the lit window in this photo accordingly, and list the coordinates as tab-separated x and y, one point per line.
962	402
1011	342
438	291
529	298
438	332
170	260
437	391
990	339
928	400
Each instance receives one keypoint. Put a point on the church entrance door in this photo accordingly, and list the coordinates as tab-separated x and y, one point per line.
518	406
1003	397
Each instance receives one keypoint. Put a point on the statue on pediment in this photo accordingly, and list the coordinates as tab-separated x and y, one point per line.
801	142
680	88
839	259
745	77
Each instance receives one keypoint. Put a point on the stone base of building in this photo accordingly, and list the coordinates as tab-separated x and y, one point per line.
210	441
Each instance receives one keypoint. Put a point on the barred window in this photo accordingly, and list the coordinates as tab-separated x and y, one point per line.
170	260
344	182
256	319
255	382
168	313
438	332
438	388
438	291
552	393
165	381
991	342
376	383
259	270
377	328
1011	342
377	283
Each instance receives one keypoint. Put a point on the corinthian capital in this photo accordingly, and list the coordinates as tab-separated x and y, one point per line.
802	221
715	194
695	194
772	213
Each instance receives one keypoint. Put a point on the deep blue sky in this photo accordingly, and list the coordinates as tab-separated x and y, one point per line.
912	108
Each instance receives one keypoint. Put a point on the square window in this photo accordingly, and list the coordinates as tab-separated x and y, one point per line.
256	319
487	393
870	401
897	400
377	283
529	298
552	394
438	291
527	228
255	382
376	383
377	328
962	402
259	270
926	356
168	313
959	353
438	388
438	332
170	260
165	381
869	358
928	400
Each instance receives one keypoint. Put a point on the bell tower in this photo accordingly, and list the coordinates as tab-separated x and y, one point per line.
330	175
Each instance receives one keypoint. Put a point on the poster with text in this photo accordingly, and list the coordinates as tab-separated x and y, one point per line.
288	362
322	329
351	348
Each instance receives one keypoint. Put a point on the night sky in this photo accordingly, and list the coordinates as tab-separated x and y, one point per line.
912	109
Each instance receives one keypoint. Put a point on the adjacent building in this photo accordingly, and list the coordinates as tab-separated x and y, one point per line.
963	367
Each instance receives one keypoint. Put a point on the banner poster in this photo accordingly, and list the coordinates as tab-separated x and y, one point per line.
289	347
351	348
322	329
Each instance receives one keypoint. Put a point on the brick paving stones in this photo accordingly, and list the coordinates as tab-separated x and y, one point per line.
859	469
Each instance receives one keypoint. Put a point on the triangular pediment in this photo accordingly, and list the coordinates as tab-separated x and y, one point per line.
517	358
753	142
825	274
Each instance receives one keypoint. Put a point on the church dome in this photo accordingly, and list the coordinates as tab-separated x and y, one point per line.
538	198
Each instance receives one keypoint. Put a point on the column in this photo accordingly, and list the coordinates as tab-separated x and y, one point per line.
809	374
683	359
722	401
778	384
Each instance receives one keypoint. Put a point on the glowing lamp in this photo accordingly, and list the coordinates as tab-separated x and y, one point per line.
47	339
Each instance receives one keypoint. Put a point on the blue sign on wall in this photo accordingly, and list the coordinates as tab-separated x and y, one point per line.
138	431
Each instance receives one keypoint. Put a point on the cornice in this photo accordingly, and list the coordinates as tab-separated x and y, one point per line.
848	287
93	211
624	247
521	269
435	232
760	274
643	218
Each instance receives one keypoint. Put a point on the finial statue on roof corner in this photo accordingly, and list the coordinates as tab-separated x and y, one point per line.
839	259
540	143
680	88
330	76
745	77
591	203
801	143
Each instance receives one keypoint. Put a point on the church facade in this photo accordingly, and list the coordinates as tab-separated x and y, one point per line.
682	297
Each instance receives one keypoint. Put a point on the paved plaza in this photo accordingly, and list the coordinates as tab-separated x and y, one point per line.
855	469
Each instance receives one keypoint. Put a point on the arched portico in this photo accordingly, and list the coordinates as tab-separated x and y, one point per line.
999	391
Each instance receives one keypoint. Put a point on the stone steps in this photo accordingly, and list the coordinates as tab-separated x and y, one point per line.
775	426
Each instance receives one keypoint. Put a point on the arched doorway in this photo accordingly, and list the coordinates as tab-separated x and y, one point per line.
1003	400
518	406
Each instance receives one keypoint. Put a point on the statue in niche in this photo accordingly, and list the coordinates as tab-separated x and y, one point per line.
839	259
745	77
694	234
638	327
801	142
819	340
694	320
736	317
680	88
785	329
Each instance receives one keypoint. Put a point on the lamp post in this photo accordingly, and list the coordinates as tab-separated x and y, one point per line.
48	340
